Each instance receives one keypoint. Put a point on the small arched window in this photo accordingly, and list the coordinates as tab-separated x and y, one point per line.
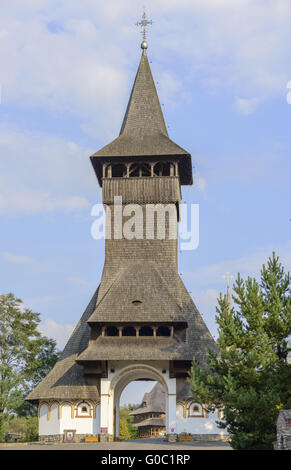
83	410
112	331
128	331
158	169
118	170
195	410
163	331
146	331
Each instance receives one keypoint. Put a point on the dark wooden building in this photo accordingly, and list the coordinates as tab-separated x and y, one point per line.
149	418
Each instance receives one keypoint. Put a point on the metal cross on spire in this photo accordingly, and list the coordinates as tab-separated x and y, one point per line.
144	23
228	278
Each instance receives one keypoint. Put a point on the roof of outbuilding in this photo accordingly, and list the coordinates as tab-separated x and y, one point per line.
151	422
155	401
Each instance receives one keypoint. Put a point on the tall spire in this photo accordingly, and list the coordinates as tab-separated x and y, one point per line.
143	131
228	278
143	115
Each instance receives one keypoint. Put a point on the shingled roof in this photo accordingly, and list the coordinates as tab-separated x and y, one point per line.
155	401
151	422
66	380
138	282
143	131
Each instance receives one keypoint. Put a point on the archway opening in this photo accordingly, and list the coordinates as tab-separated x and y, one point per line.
140	404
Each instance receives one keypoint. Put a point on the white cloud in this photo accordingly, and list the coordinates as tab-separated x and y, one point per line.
270	167
79	59
60	333
53	174
246	106
77	281
18	259
206	297
249	265
199	182
75	57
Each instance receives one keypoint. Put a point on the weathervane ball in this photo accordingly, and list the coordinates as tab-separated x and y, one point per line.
144	45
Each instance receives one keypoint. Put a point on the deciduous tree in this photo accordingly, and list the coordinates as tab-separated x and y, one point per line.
25	356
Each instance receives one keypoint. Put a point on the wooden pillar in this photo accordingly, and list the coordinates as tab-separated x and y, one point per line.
172	172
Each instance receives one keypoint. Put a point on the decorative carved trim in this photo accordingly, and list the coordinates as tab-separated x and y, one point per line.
186	405
39	407
55	402
67	403
199	414
80	403
94	408
183	406
74	407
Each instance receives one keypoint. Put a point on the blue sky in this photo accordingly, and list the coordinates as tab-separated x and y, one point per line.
221	69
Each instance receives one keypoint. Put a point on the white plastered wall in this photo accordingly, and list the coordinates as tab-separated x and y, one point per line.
49	422
59	418
197	425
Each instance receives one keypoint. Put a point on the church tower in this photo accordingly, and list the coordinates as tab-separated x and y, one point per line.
141	323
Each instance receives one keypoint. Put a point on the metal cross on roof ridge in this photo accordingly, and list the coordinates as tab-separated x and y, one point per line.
144	23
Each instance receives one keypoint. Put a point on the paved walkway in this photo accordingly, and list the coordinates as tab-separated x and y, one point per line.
138	444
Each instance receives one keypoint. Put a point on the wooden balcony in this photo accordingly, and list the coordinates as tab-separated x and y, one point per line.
142	190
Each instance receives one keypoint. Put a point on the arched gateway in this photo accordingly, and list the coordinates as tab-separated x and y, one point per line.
141	322
120	379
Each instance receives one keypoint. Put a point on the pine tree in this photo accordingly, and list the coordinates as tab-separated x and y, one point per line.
25	356
249	378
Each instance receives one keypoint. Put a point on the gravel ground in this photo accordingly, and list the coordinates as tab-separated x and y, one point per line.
140	444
